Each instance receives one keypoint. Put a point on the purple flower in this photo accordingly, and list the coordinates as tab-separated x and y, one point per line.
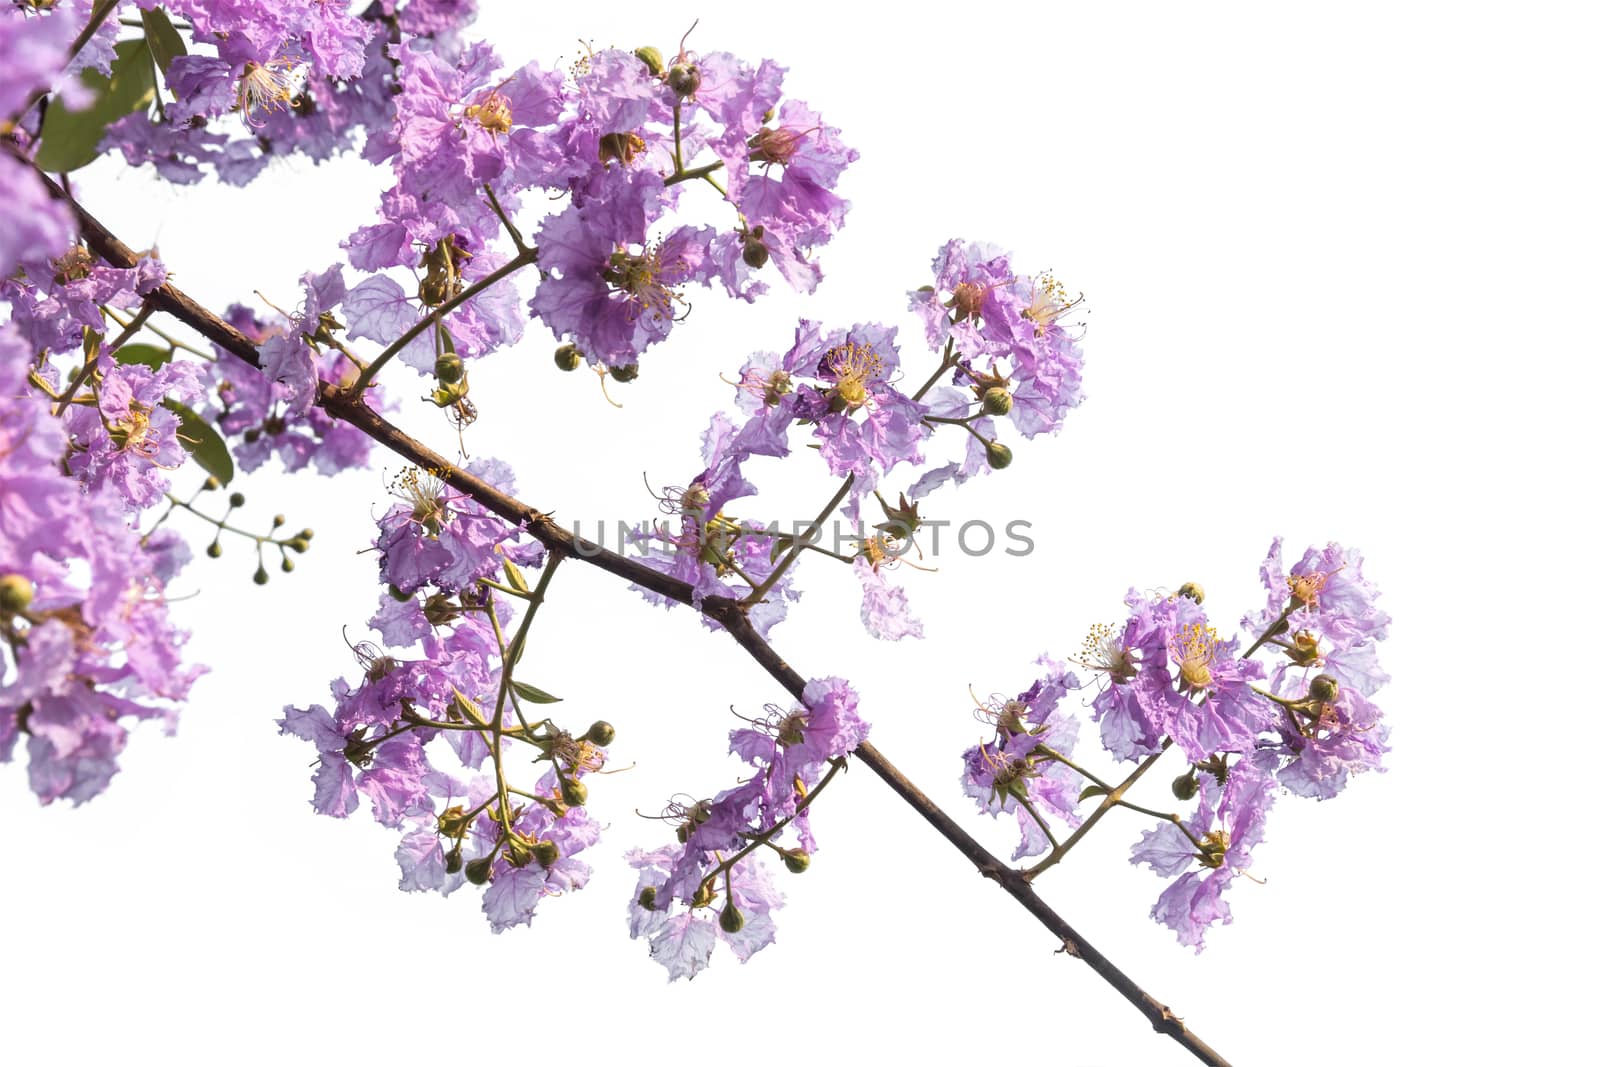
1226	826
1023	766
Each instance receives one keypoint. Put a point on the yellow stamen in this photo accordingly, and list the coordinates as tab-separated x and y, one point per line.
1194	647
1048	302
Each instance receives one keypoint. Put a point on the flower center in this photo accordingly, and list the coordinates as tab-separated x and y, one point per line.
638	279
768	145
266	87
1194	647
853	365
1047	302
1104	651
493	113
424	491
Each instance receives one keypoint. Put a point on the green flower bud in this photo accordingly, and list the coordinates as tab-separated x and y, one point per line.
212	484
261	577
236	499
305	535
452	860
277	521
999	455
574	793
651	58
600	733
449	368
1325	687
568	357
287	565
16	593
996	401
730	920
298	544
546	852
647	898
797	860
214	549
683	79
1194	591
478	869
1184	787
625	373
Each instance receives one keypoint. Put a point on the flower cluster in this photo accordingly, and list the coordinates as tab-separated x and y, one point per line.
1165	679
712	884
86	644
432	742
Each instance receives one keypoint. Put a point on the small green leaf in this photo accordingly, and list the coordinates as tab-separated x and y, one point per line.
71	139
166	43
514	576
533	694
144	355
1091	791
203	442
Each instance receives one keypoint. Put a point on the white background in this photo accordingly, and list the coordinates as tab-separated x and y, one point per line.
1336	257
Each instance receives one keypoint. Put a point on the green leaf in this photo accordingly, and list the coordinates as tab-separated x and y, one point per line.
71	139
144	355
166	43
203	442
1091	791
514	576
533	694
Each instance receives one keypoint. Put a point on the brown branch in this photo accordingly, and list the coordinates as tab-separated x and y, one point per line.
724	610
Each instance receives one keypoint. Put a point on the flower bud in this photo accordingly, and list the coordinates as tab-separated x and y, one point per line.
305	535
453	821
683	79
999	455
277	521
251	436
211	484
600	733
627	372
236	500
287	566
449	368
651	58
574	793
797	860
452	860
478	869
214	549
16	593
1194	591
996	401
519	851
1184	787
647	898
754	248
261	577
298	544
730	920
546	852
1325	687
568	357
